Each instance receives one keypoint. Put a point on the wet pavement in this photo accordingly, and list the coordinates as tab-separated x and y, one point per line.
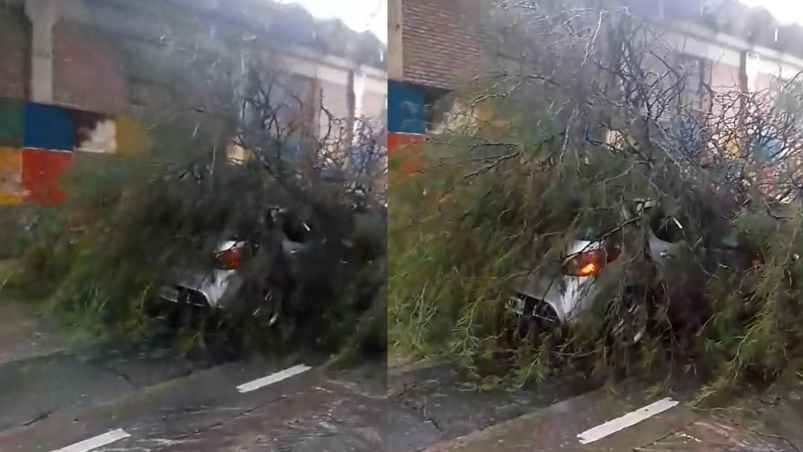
314	411
170	404
116	398
603	421
113	399
43	371
435	403
24	333
319	413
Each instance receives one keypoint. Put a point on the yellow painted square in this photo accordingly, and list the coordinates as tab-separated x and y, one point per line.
12	191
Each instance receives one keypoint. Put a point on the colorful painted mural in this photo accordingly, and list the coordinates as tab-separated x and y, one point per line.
37	143
406	106
405	131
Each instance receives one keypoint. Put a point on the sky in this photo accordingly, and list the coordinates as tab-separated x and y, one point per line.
359	15
371	15
786	11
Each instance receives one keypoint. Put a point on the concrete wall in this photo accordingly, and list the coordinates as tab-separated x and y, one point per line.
333	74
724	76
725	52
78	97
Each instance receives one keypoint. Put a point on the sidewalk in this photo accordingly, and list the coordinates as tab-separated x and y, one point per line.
23	334
598	421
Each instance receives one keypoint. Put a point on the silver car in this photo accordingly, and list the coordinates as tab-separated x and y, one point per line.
546	301
209	289
218	287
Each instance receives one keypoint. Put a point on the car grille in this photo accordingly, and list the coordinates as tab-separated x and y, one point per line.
523	305
184	295
194	297
545	313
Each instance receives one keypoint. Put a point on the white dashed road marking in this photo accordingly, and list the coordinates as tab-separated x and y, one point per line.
273	378
116	435
96	441
628	420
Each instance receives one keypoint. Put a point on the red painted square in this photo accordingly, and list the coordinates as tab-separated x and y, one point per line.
41	173
406	156
397	141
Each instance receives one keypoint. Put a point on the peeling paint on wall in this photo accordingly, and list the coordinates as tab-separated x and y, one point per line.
94	132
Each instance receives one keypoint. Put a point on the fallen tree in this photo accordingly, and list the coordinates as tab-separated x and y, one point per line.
134	224
603	113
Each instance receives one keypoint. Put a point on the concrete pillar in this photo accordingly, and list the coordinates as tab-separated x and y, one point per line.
359	93
395	50
351	106
751	68
43	14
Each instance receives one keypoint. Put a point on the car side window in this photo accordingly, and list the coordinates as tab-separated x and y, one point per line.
295	229
666	227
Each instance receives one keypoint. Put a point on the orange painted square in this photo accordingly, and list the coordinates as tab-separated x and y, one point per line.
11	188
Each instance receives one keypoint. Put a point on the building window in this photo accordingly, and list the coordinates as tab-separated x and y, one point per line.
293	100
298	99
696	83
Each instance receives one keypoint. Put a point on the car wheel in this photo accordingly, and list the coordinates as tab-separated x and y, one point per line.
268	310
632	316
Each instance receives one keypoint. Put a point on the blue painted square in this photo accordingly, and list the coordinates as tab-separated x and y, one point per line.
405	108
48	127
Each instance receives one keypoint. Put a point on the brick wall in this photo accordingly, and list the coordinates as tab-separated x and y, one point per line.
14	45
86	72
437	44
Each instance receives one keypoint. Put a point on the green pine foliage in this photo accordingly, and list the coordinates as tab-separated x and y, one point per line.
502	200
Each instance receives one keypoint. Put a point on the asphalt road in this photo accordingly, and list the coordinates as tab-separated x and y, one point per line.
69	403
126	401
57	394
54	397
59	401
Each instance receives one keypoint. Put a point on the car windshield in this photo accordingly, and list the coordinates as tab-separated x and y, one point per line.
587	232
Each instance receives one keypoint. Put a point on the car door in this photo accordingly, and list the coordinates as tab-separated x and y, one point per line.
670	251
665	233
